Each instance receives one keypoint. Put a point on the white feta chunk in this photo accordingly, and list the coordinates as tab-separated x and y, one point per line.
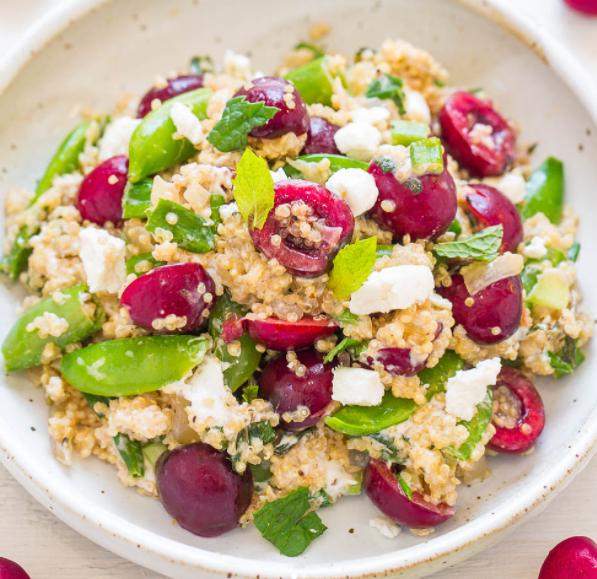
227	211
371	115
103	257
357	386
337	480
186	123
385	526
356	187
358	140
513	186
469	387
117	138
278	175
536	248
416	107
237	65
393	288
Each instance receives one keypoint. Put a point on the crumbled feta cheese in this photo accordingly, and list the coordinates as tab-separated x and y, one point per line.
357	386
358	140
393	288
469	387
117	138
385	526
337	480
227	211
356	187
513	186
278	175
103	260
440	302
372	115
416	107
237	65
186	123
536	248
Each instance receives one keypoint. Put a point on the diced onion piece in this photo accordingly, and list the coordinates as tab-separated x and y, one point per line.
480	274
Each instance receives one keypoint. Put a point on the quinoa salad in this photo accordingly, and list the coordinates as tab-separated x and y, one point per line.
257	295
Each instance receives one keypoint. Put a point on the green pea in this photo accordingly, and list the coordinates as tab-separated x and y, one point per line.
241	367
23	349
314	81
337	162
137	199
132	264
133	365
188	229
152	148
545	191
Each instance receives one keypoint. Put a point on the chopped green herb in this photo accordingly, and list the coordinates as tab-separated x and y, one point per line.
545	191
140	264
289	440
215	202
531	148
346	317
261	472
426	156
137	199
250	392
253	189
238	119
567	359
388	87
316	50
438	83
288	523
343	345
455	228
201	64
408	132
131	452
261	430
153	450
483	246
352	267
14	262
414	185
405	487
92	399
476	90
359	53
386	164
573	251
322	499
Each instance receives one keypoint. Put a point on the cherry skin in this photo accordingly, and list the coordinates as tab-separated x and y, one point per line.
320	138
11	570
176	86
588	7
573	558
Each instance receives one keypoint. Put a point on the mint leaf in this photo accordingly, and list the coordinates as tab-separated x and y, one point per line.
405	487
288	523
250	393
567	359
388	87
289	440
343	345
483	246
253	189
352	267
238	119
261	430
346	317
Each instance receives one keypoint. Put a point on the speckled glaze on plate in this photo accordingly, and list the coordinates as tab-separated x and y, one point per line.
88	52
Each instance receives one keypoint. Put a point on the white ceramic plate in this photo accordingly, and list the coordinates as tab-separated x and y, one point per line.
100	50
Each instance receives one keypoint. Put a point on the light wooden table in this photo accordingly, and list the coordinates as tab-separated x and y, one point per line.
48	549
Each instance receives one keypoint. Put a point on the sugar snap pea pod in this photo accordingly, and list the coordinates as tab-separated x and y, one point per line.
240	367
14	262
314	81
545	191
476	426
131	453
142	263
153	450
137	199
337	162
152	148
215	203
188	229
23	347
133	365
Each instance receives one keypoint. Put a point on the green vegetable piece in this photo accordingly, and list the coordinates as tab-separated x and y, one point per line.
288	523
250	393
142	263
438	376
188	229
455	228
343	345
65	160
23	348
356	488
240	368
215	202
346	317
289	440
153	450
322	499
133	365
256	430
199	65
388	87
529	275
426	156
253	189
17	259
352	266
261	472
545	191
316	50
550	291
314	81
476	426
239	118
567	359
337	162
573	251
408	132
384	250
153	148
93	400
137	199
483	246
405	487
131	452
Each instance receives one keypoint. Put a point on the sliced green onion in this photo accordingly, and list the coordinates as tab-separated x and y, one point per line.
407	132
426	156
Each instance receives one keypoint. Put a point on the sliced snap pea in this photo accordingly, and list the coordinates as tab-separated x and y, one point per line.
131	453
240	368
137	266
384	250
153	450
545	191
133	365
137	199
426	156
407	132
550	290
337	162
23	348
188	229
476	426
152	148
314	81
14	262
215	203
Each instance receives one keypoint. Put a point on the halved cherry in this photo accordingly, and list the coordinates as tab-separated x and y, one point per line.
183	291
492	314
306	228
488	206
320	137
573	558
11	570
423	207
280	335
175	86
518	413
480	139
305	382
384	490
